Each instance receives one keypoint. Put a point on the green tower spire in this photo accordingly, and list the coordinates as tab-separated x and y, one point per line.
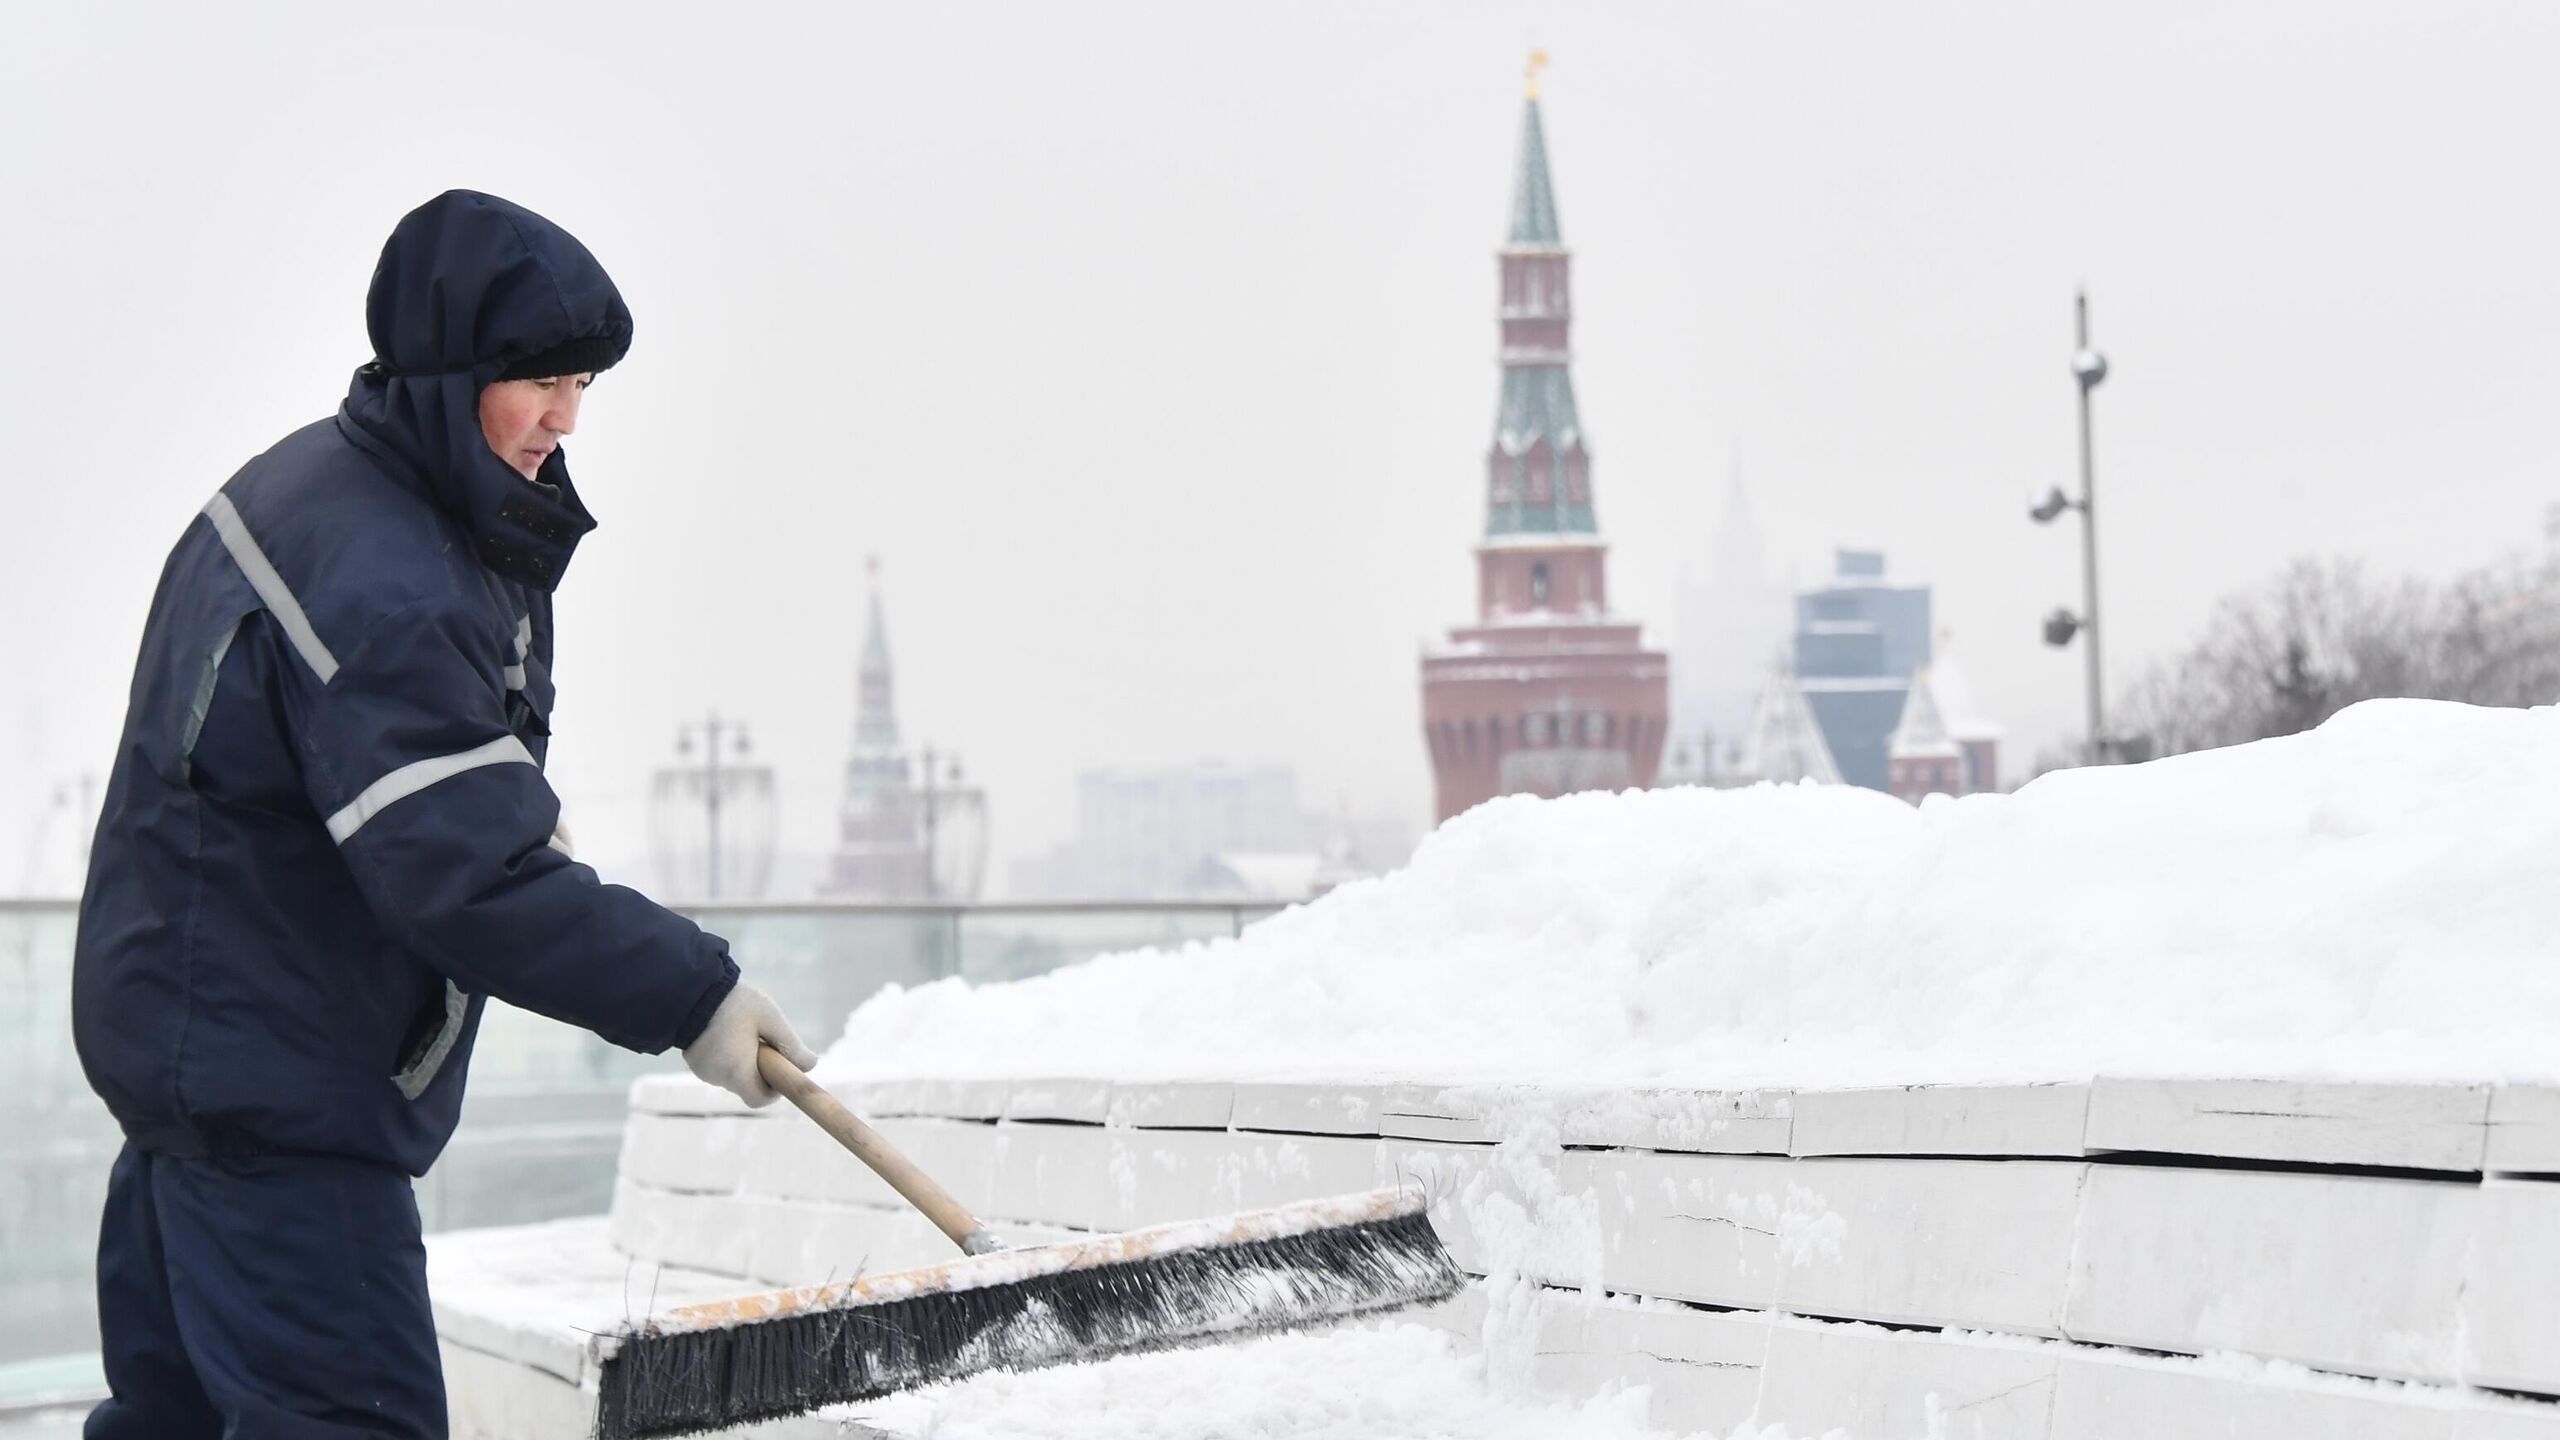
1539	470
1533	194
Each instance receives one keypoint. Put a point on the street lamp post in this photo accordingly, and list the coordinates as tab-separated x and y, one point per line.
712	729
2089	368
932	884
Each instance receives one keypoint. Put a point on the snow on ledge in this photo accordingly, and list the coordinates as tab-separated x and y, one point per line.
2370	901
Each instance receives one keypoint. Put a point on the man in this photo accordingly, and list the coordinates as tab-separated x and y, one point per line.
328	840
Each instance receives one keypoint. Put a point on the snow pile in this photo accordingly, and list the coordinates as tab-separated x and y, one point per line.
1397	1382
2377	899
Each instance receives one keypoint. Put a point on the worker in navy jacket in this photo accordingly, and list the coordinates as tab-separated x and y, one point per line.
328	841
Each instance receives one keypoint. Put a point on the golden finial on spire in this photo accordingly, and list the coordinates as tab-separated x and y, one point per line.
1537	62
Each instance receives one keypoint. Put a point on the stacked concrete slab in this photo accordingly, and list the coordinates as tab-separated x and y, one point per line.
2126	1258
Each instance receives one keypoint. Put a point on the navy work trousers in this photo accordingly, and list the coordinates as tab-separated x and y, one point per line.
268	1298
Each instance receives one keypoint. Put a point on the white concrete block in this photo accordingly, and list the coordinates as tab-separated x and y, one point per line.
1172	1104
2508	1420
519	1338
797	1162
1083	1102
2119	1397
869	1098
2038	1120
941	1097
2511	1309
1968	1243
1461	1315
803	1162
1258	1171
1889	1384
1487	1205
1433	1112
1052	1174
794	1243
538	1295
799	1243
1743	1122
1157	1176
883	1096
1099	1178
684	1095
1303	1109
960	1099
519	1310
2350	1273
2524	1129
698	1232
1704	1367
1138	1178
2424	1127
698	1154
488	1397
1706	1228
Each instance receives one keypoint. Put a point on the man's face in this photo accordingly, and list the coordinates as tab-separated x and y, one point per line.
523	420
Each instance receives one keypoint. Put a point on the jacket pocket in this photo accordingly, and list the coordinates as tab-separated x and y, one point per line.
434	1043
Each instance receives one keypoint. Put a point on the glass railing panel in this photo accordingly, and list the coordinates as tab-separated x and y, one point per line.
542	1128
1011	942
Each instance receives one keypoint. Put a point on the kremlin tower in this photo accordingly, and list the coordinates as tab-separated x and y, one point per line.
1546	693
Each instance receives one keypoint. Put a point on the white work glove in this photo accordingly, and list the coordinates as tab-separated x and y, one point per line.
725	1052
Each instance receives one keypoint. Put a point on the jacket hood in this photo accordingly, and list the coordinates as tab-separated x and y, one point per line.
467	285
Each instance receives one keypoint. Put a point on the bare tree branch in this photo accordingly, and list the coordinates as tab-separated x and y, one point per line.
2324	635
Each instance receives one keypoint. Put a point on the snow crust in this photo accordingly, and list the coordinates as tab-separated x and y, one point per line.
2377	899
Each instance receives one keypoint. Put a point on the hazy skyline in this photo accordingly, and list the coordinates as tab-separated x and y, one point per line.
1152	347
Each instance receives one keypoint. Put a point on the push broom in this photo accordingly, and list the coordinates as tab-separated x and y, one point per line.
707	1366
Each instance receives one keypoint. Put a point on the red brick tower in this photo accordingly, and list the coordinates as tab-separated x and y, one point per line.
1547	692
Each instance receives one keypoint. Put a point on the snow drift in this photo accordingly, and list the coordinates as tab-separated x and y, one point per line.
2378	899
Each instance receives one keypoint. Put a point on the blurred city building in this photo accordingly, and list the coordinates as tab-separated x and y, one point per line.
1731	628
1860	637
910	827
1943	744
1546	692
1206	831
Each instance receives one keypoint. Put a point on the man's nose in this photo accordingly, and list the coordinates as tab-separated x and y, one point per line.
561	418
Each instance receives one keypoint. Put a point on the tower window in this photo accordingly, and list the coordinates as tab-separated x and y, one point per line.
1538	584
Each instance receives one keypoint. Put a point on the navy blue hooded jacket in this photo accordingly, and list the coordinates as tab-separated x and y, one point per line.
326	838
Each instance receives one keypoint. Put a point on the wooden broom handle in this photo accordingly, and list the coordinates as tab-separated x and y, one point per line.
870	1148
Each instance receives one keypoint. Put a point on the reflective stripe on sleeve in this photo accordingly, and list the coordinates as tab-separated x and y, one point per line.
524	647
411	778
270	586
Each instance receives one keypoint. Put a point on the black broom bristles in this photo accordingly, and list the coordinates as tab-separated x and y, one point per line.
693	1380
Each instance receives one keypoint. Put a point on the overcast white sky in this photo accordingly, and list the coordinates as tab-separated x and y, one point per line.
1151	346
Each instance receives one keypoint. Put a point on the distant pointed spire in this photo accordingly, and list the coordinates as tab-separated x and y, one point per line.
1786	744
1736	556
1533	196
875	725
1921	734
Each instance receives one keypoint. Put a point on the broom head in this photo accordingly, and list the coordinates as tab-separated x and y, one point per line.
708	1366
